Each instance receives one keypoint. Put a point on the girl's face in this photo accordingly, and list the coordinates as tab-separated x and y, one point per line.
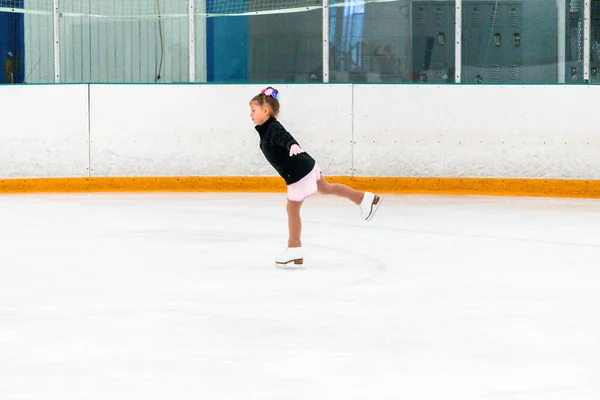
259	114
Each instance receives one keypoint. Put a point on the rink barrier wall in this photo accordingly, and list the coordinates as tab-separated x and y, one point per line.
454	186
452	139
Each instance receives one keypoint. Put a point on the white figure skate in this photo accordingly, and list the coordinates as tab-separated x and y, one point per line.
369	206
292	254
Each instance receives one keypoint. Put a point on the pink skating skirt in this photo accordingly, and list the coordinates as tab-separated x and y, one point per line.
306	186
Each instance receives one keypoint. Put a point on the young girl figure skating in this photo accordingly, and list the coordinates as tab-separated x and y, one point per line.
301	173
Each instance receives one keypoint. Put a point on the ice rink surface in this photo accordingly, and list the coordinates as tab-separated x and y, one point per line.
175	296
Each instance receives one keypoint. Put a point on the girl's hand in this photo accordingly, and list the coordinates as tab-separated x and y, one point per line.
295	150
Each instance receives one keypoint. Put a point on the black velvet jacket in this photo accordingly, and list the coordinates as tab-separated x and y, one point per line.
275	143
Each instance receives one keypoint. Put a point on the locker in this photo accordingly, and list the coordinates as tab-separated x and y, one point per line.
574	41
492	45
595	42
433	39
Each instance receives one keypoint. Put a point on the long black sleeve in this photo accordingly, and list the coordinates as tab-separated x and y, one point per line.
283	138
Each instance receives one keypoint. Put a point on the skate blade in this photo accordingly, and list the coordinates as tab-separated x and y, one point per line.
375	207
291	265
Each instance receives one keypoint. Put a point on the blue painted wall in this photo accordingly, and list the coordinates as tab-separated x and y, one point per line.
227	46
12	39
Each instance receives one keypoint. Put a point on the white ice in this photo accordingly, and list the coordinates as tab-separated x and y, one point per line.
175	296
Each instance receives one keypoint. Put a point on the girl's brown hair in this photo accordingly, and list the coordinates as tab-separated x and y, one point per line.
269	100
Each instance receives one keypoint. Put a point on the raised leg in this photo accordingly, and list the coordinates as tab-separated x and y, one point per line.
337	189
